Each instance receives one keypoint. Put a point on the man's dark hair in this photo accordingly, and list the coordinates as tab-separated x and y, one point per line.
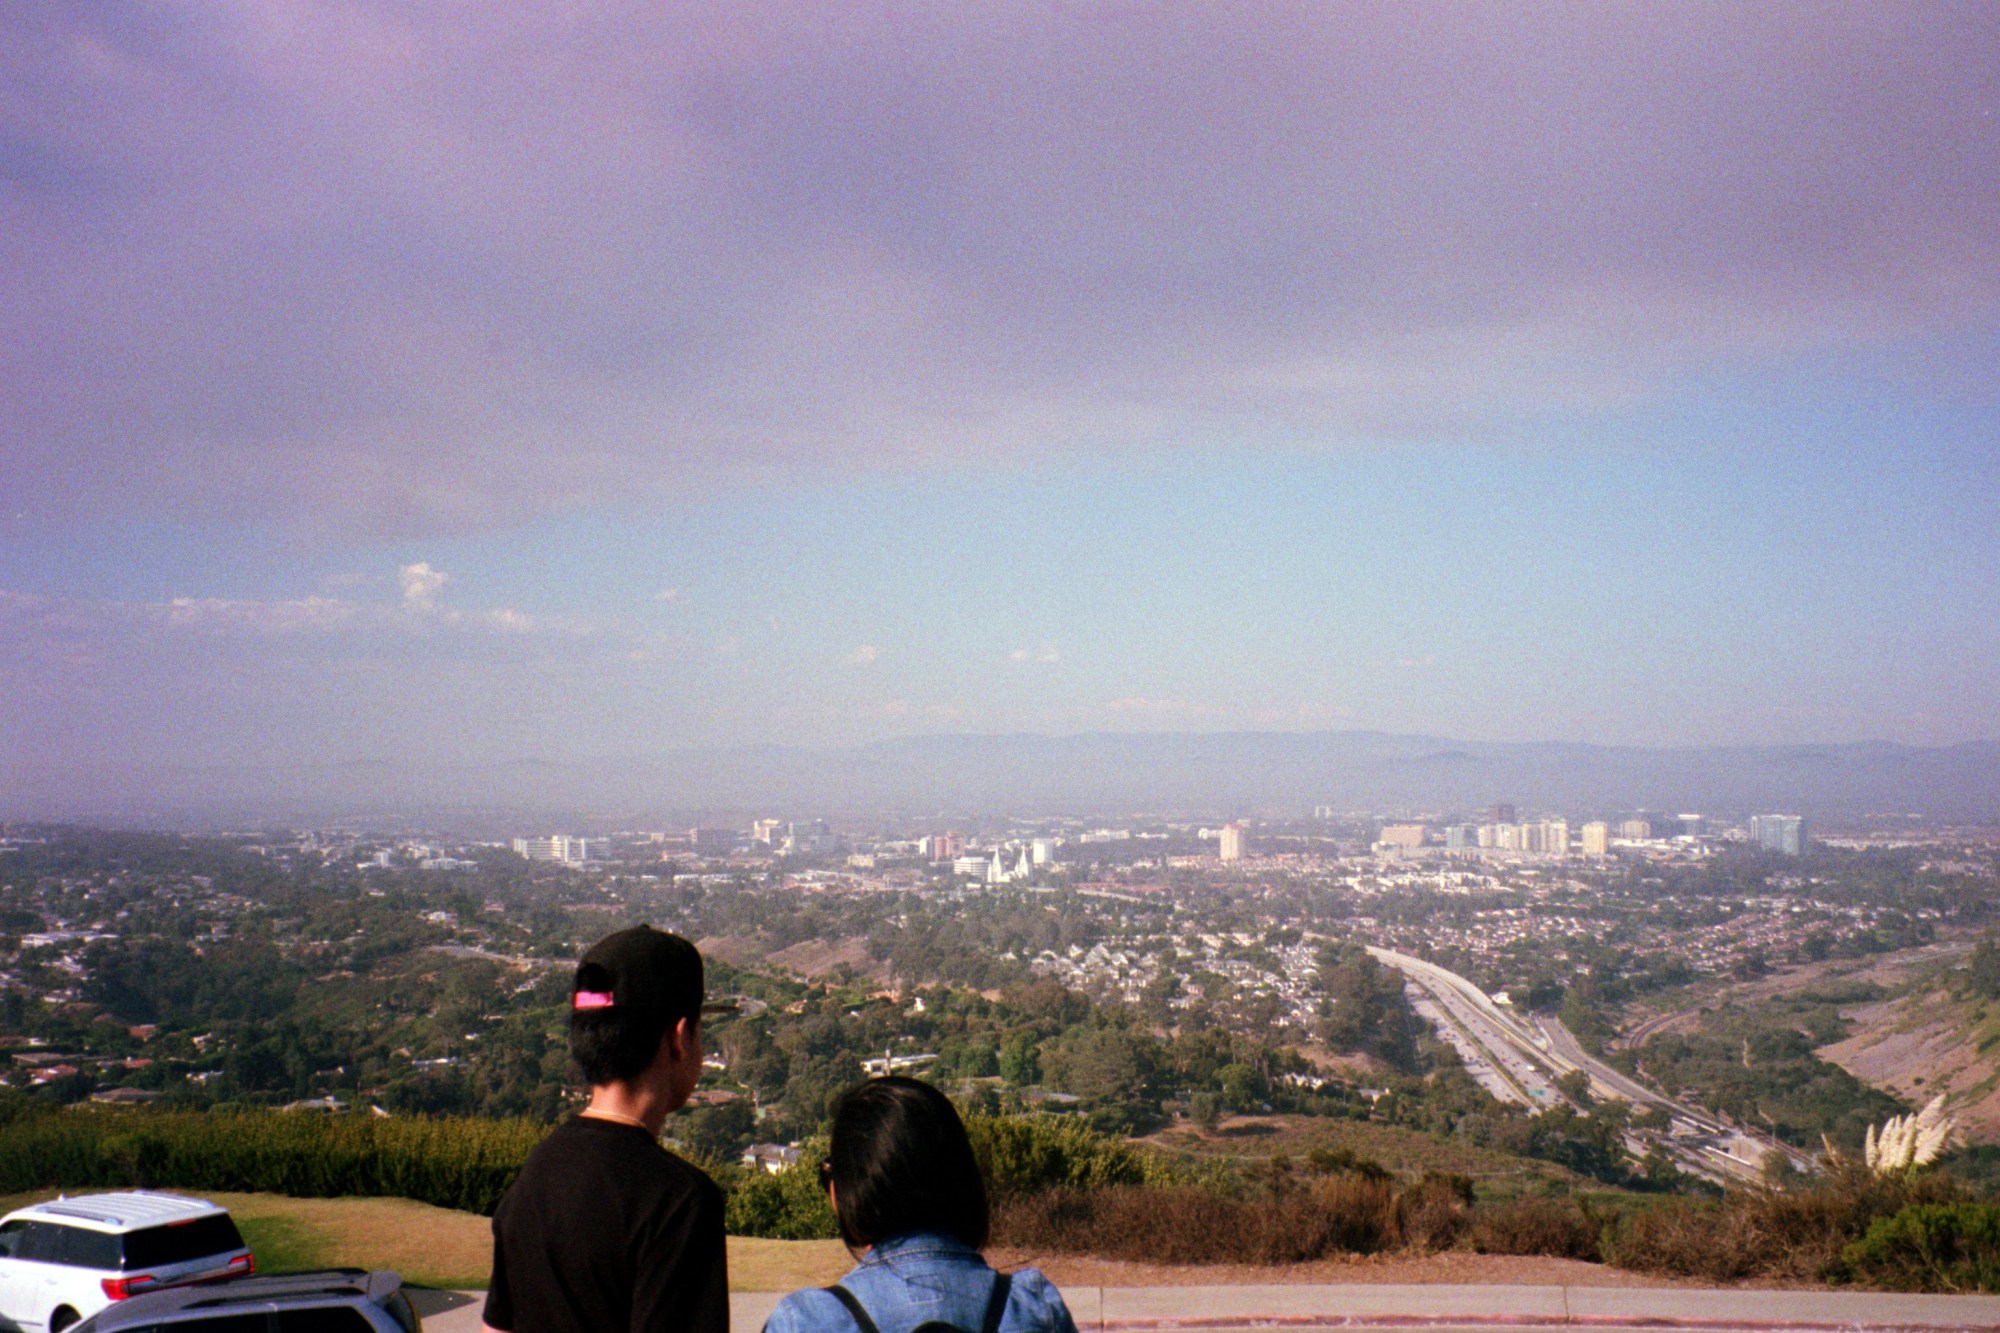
901	1163
612	1045
630	989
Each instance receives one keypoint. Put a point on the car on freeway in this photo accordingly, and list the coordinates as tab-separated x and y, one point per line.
67	1258
344	1300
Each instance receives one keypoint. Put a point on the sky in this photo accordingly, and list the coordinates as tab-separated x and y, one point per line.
442	383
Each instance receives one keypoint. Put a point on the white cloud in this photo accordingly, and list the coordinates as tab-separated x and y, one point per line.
1045	655
297	614
314	614
421	585
863	654
989	298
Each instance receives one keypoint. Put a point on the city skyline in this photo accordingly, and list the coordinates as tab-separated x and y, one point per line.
428	389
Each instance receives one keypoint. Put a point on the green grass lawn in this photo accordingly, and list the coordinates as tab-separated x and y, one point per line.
436	1247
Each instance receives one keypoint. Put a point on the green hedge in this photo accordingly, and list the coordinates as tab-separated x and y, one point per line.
466	1163
453	1163
1930	1247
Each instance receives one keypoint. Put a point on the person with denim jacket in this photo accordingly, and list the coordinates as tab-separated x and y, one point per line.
910	1203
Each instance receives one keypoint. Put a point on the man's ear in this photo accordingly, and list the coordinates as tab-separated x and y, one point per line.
680	1035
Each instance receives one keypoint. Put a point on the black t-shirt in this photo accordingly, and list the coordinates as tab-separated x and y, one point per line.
605	1230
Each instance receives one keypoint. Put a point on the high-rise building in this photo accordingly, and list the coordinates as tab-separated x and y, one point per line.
1488	835
1596	838
1233	842
1779	833
765	831
1637	829
1409	837
556	847
1507	837
1691	825
1503	813
1043	851
1555	837
712	841
947	846
1459	837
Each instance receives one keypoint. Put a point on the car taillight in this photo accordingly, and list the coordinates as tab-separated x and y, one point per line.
243	1263
118	1288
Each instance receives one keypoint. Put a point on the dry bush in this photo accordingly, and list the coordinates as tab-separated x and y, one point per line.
1682	1237
1184	1225
1562	1228
1432	1214
1359	1213
1798	1234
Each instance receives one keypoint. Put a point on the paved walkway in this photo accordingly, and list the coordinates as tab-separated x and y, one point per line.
1513	1308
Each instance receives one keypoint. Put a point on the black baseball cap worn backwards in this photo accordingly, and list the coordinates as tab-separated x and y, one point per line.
641	968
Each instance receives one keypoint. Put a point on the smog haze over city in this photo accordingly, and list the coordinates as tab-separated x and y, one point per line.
662	406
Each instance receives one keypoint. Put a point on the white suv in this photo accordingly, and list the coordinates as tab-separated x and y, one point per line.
68	1258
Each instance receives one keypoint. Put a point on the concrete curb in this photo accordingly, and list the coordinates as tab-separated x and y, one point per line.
1440	1307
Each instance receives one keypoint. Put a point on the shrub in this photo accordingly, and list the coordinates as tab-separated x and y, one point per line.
1333	1161
1182	1224
1432	1214
1930	1247
1562	1228
1799	1234
1029	1154
788	1205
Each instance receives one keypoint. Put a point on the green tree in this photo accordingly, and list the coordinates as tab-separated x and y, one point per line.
1366	1010
1104	1063
1020	1060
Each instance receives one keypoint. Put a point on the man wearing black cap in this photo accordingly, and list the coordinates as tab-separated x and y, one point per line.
604	1229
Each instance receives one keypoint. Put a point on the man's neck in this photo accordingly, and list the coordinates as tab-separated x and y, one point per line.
632	1104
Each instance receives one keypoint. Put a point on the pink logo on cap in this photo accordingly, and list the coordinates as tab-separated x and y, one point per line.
592	999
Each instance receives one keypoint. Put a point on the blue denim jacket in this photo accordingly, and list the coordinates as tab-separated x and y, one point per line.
912	1279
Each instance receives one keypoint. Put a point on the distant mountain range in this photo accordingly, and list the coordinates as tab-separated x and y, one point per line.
1224	773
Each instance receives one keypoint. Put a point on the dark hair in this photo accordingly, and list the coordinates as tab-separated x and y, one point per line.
902	1163
614	1044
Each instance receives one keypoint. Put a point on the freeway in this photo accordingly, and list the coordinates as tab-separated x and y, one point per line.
1520	1063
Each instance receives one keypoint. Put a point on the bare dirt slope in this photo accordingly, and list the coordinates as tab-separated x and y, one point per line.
1892	971
811	958
1918	1042
1928	1042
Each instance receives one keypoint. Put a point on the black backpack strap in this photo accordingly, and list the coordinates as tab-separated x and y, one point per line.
996	1304
853	1304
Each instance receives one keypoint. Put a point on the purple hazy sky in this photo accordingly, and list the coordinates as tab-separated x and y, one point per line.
750	372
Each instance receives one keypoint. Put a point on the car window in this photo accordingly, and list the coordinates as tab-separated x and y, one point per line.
214	1323
180	1242
325	1319
10	1236
41	1240
87	1249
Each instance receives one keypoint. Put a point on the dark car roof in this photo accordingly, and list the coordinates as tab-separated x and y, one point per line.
377	1287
